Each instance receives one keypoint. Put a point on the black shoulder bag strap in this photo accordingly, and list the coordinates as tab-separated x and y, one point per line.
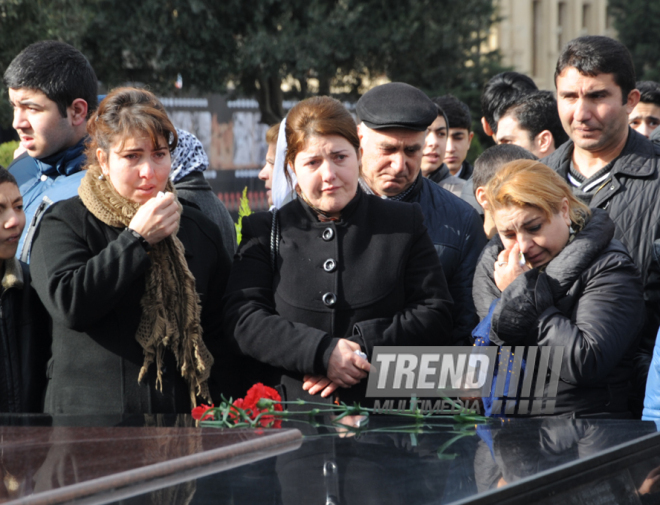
274	240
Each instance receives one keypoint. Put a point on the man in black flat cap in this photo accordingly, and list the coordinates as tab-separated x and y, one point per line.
393	119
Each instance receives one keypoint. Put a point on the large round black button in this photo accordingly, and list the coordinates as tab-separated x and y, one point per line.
328	234
329	299
329	265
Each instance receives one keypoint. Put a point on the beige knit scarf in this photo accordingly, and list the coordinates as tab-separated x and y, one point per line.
170	305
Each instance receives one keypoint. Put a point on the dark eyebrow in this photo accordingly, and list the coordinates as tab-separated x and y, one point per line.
413	146
18	199
338	151
28	102
527	223
604	92
384	144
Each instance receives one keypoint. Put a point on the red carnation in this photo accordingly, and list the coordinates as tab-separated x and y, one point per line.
253	404
259	391
200	413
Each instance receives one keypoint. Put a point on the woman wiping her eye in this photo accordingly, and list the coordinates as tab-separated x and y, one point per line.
576	287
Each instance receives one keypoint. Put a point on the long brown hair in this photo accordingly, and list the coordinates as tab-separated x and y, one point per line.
124	113
523	183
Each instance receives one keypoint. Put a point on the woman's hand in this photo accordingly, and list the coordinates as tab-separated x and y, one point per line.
345	368
315	384
508	267
157	219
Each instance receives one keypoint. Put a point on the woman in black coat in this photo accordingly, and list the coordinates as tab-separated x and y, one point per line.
131	282
554	276
352	272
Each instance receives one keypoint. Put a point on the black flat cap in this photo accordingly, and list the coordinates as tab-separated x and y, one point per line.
396	105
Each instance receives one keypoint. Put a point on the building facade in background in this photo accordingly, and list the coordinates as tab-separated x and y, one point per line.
531	33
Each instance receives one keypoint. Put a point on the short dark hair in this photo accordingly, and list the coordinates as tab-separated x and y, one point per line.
595	54
456	112
58	70
500	91
5	176
494	158
650	92
536	112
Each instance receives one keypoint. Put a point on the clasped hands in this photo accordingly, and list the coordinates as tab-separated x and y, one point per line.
345	369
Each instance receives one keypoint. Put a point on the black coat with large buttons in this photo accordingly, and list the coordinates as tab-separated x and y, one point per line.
90	277
374	277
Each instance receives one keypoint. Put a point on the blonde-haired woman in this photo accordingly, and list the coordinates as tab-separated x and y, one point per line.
554	276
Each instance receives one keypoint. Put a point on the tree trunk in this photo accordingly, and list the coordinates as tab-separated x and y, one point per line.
269	96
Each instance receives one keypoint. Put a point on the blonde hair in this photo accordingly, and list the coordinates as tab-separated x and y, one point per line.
529	183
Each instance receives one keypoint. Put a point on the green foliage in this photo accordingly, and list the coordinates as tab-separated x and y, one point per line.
243	210
253	45
23	22
152	41
7	153
638	24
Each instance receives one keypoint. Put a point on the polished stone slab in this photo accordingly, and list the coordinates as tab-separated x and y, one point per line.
381	460
48	465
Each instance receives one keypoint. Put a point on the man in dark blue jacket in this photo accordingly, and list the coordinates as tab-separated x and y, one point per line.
393	122
53	91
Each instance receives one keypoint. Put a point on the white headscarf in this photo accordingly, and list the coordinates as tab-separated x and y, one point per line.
281	192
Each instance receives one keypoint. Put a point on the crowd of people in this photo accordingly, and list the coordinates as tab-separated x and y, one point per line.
124	291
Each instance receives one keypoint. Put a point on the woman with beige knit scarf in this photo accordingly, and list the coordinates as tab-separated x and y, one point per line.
132	279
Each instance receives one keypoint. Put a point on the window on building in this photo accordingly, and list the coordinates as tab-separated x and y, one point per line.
562	25
537	28
587	19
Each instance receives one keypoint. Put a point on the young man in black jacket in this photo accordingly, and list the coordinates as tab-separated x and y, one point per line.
611	166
